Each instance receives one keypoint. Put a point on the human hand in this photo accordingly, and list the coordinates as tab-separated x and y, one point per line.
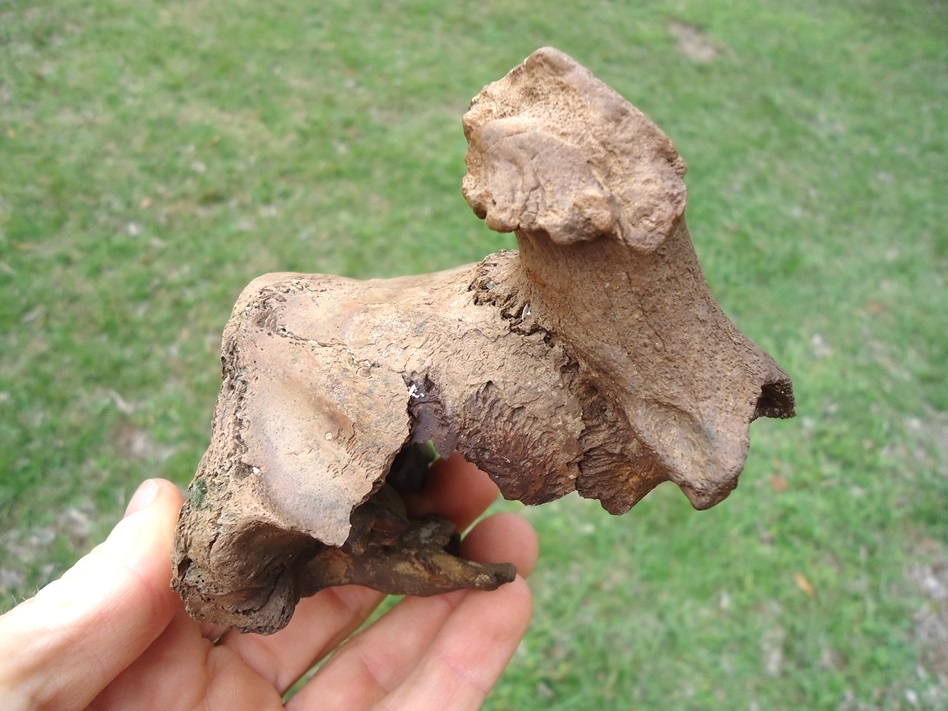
112	634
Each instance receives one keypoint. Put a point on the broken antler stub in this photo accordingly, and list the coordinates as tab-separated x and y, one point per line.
594	360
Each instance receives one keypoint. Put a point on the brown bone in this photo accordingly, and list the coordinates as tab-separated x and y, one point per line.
593	360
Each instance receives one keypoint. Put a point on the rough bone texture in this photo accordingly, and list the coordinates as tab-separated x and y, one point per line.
594	359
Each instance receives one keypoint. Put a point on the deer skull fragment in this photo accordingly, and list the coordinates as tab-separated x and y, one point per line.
594	360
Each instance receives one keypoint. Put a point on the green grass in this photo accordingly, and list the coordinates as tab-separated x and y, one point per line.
155	157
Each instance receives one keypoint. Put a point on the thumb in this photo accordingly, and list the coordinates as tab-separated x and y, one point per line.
63	646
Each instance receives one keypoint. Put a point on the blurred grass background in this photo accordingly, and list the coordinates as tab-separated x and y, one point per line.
155	157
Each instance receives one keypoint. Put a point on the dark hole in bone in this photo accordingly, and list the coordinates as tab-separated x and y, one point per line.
410	469
776	400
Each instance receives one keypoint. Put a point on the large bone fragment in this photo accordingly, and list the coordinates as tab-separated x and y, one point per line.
593	360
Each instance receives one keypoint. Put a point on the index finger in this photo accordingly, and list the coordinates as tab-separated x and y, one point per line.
63	646
454	489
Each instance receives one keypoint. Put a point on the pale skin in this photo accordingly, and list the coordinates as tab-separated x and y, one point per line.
112	634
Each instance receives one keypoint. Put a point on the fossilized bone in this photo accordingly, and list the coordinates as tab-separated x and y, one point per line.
594	359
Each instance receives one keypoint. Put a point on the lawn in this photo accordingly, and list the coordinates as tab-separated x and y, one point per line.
155	157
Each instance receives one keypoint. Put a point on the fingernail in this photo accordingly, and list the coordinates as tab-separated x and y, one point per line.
146	493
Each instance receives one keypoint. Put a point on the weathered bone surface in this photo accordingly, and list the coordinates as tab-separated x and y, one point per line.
594	359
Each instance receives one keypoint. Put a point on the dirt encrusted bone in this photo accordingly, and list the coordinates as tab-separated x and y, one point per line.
594	359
